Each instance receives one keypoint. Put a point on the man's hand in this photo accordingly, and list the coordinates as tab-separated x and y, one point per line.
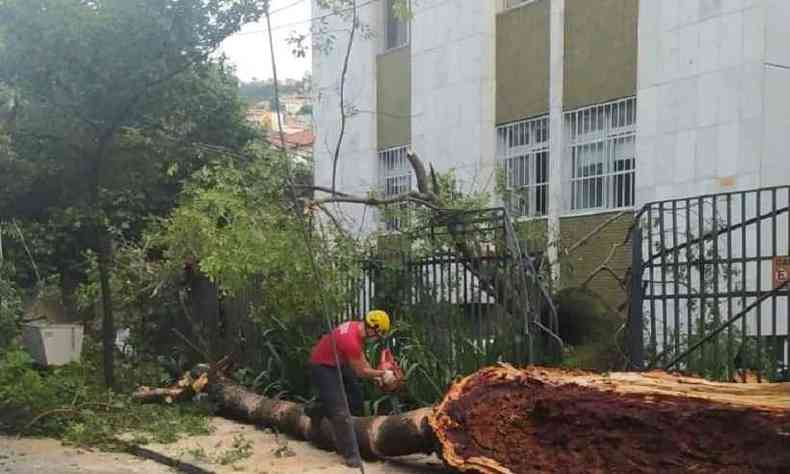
388	378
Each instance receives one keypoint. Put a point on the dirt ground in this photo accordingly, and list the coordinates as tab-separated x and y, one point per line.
219	452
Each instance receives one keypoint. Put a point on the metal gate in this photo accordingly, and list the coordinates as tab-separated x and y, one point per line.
473	307
709	292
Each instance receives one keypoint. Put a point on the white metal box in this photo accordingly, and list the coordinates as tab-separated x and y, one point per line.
53	344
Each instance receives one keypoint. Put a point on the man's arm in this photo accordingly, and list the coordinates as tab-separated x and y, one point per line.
363	370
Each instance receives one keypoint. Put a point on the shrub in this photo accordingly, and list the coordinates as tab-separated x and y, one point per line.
70	403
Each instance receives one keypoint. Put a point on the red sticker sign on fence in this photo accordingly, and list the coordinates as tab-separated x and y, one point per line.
781	271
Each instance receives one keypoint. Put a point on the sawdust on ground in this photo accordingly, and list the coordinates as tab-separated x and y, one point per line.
269	454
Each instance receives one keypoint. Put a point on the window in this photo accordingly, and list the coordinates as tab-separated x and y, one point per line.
602	155
397	28
523	154
396	178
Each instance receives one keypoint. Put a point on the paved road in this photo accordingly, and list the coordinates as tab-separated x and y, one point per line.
47	456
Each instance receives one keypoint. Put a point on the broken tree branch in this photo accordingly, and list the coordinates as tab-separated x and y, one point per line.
191	345
416	197
343	74
594	232
323	189
419	172
604	266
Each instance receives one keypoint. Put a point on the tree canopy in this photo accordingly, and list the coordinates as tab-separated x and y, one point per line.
115	102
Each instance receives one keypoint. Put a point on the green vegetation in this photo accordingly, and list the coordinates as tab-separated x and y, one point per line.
70	403
115	102
240	449
10	309
134	194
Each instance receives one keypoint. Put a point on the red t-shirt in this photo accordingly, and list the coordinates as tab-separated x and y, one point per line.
348	339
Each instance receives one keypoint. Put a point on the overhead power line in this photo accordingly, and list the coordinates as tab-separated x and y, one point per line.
309	20
290	5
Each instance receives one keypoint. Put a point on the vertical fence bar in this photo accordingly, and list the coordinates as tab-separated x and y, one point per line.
701	247
759	224
716	258
663	246
635	337
689	281
744	349
729	286
675	258
653	341
366	276
774	252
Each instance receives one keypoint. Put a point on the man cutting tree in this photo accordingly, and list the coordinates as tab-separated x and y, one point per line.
346	345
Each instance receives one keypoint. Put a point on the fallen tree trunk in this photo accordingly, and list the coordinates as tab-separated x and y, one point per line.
503	420
378	436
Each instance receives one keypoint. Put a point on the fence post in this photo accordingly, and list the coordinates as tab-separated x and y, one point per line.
634	337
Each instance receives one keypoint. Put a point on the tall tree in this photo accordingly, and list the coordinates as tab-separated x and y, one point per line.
92	74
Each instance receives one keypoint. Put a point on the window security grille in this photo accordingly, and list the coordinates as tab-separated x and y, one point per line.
395	174
601	149
397	28
523	154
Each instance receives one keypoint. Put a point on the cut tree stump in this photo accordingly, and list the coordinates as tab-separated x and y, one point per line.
504	420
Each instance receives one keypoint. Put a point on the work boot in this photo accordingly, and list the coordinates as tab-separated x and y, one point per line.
353	462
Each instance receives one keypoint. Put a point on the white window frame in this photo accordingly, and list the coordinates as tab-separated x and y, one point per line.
389	20
523	154
601	156
395	177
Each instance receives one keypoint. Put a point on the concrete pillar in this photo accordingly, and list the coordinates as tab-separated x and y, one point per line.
557	140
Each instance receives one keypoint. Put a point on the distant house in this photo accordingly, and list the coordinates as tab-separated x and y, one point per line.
297	142
264	118
293	104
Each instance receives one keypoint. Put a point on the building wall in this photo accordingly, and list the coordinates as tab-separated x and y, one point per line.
776	163
600	51
579	264
711	101
453	87
357	170
522	62
393	91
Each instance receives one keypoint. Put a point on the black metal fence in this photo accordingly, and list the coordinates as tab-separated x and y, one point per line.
709	292
471	307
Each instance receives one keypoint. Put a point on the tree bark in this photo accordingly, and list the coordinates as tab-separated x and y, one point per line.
378	436
103	249
108	320
69	284
503	420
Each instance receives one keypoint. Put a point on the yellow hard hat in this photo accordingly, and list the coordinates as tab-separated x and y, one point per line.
378	320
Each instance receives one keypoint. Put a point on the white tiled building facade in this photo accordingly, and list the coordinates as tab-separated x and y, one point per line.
712	99
714	96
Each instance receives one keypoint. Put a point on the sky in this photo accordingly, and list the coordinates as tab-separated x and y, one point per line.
248	50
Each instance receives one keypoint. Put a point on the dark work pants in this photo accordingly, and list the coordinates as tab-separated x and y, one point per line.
325	380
